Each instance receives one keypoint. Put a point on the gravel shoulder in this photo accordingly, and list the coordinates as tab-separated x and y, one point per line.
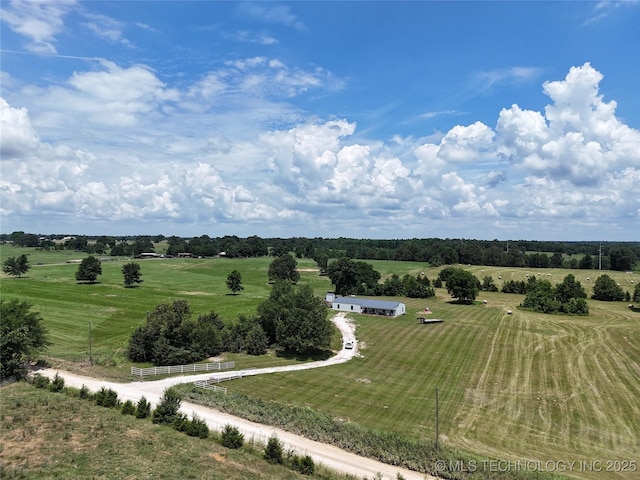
328	455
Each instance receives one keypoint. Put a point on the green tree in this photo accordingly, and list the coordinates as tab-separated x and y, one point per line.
234	282
256	342
565	297
16	266
463	285
274	309
350	277
586	262
418	286
322	260
494	255
106	397
206	335
143	408
569	288
77	243
367	279
120	250
393	286
169	336
636	293
142	245
131	272
89	269
488	285
343	273
514	258
470	253
305	464
231	437
284	268
168	407
273	451
541	297
162	338
22	337
622	258
556	260
605	288
446	272
302	324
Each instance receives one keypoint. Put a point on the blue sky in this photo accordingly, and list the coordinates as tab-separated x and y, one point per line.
505	120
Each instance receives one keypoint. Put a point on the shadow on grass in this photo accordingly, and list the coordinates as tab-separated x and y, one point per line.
463	302
312	355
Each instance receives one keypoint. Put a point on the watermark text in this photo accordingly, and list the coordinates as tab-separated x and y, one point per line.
552	466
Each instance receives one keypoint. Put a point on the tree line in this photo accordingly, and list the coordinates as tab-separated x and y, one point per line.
620	256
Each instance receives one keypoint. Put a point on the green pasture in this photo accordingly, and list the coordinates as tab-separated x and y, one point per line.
520	386
524	386
115	311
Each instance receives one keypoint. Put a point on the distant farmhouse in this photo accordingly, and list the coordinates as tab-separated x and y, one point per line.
366	306
148	255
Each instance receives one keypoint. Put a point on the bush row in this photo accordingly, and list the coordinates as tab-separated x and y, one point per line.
167	413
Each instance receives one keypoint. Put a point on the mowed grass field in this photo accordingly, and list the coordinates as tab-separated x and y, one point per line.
524	386
115	311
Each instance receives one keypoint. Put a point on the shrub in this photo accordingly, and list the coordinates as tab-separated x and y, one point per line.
107	398
181	422
167	409
231	437
84	392
143	409
273	450
304	465
57	384
128	408
40	381
197	427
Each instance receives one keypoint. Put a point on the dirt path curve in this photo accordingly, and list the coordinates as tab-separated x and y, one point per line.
321	453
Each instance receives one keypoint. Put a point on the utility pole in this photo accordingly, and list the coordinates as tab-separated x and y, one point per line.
437	434
600	257
90	352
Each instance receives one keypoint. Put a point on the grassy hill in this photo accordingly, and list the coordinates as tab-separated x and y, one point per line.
51	435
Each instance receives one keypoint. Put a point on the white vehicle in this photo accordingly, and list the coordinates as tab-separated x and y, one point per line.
348	345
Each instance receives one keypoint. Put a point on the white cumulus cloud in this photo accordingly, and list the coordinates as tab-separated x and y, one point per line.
118	144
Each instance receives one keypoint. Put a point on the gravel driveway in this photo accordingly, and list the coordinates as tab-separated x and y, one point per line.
327	455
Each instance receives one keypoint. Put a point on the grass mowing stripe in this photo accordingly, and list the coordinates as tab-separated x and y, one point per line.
512	386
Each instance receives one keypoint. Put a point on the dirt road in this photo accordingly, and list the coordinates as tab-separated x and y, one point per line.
321	453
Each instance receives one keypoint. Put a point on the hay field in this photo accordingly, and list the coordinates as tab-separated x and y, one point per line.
524	386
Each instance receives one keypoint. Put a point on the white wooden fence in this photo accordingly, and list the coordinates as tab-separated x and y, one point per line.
194	367
210	383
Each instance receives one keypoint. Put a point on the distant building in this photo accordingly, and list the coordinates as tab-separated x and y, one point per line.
366	306
149	255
